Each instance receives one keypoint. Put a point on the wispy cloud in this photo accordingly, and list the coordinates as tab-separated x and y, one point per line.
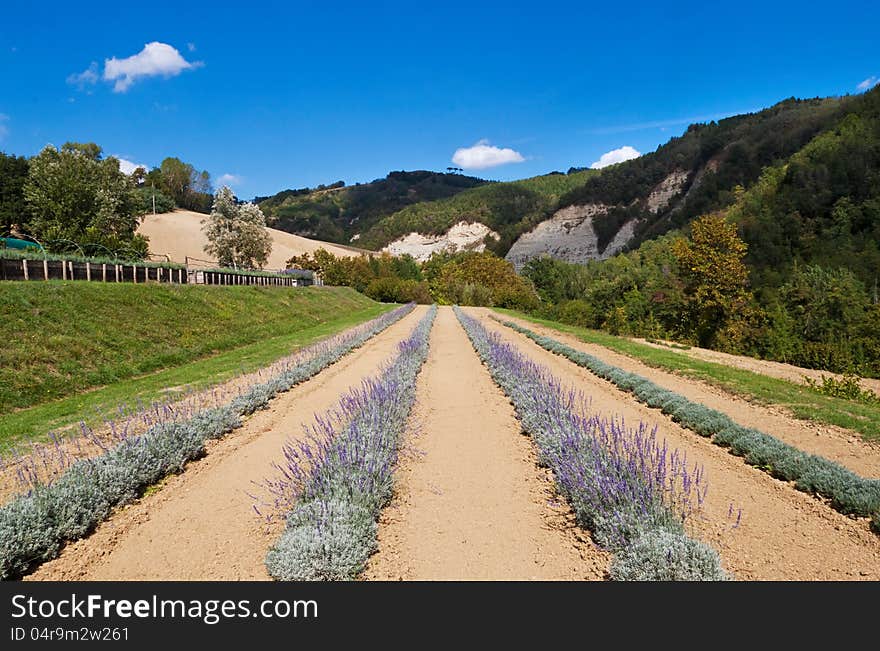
229	179
868	83
483	155
4	126
616	156
155	60
658	124
87	77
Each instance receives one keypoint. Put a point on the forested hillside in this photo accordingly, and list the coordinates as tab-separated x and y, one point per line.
337	212
509	209
787	270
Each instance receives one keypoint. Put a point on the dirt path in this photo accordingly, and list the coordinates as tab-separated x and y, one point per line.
471	502
843	446
778	370
784	534
201	525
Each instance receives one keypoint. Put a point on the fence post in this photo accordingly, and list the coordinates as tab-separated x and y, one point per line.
117	272
71	270
88	271
104	272
134	275
45	269
24	268
63	270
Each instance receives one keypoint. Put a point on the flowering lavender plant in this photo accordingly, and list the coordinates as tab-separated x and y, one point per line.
333	485
629	489
34	525
849	493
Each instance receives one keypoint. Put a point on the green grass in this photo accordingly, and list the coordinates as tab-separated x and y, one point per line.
63	338
803	402
35	423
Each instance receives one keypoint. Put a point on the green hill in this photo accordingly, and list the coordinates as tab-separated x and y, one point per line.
336	213
509	208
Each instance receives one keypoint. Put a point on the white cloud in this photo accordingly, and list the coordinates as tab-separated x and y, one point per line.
4	130
88	76
868	83
127	166
228	179
483	155
615	156
155	60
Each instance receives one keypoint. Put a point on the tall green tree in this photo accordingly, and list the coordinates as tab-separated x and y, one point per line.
711	265
75	195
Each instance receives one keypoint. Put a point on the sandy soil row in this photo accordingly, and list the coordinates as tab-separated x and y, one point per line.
843	446
784	534
471	501
201	524
778	370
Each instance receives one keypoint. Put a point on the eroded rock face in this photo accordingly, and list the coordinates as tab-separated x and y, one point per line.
663	193
568	235
460	237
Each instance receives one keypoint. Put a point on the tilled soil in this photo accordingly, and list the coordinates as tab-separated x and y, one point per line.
471	501
843	446
201	525
783	534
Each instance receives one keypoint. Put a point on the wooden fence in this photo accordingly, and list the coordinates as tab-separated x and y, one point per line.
14	269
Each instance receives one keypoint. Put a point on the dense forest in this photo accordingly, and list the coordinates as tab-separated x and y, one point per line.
337	213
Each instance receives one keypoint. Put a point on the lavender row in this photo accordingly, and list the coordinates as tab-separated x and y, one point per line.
333	485
34	526
39	463
630	490
849	493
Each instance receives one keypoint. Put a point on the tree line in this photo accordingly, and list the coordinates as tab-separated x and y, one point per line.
73	198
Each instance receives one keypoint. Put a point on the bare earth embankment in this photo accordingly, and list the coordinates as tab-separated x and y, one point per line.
179	234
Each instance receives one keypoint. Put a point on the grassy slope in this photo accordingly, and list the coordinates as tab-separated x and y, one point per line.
802	401
61	338
36	422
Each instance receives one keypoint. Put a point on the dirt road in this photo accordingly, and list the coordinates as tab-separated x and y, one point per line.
778	370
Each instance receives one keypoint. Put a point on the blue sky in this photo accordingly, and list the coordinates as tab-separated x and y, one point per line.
295	94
